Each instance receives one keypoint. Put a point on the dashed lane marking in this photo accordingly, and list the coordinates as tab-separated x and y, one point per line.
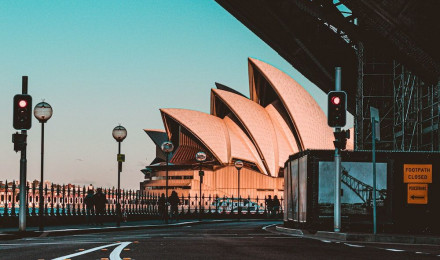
394	250
326	241
283	237
54	243
352	245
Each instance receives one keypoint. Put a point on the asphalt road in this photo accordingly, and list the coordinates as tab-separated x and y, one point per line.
244	240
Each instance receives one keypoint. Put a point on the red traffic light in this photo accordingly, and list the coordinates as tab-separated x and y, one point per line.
337	106
336	100
22	112
22	103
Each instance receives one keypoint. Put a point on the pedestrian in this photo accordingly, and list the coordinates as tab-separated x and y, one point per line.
269	206
88	200
99	200
161	206
276	206
174	202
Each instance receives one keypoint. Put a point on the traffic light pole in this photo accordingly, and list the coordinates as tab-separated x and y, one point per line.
337	205
23	163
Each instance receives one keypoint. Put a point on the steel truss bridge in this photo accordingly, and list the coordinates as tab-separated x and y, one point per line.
361	189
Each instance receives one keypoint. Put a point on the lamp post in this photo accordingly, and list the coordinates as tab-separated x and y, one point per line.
119	133
200	157
238	165
167	147
43	112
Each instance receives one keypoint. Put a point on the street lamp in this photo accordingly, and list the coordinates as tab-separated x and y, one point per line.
119	133
200	157
238	165
167	147
43	112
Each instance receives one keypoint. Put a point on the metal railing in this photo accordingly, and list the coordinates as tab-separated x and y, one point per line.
68	201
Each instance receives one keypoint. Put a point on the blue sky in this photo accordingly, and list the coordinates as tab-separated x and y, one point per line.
101	63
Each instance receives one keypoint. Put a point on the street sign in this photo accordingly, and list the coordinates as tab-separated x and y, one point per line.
417	193
417	173
374	113
121	157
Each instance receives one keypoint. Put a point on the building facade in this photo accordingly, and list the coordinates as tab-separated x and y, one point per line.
279	118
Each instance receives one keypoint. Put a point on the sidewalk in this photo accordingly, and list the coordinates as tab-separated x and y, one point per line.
13	233
363	237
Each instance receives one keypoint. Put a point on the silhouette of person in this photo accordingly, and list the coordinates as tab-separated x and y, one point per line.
269	205
174	202
276	206
161	206
99	200
88	200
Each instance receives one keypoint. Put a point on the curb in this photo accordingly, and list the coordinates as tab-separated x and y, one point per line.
383	238
64	232
292	231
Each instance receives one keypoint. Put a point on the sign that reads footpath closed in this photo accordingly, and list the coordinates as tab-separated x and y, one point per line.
417	173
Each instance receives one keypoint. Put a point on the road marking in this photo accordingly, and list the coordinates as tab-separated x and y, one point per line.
352	245
394	250
54	243
117	251
85	251
326	241
283	237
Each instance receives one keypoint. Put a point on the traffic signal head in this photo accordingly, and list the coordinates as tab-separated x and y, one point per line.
337	108
341	137
22	112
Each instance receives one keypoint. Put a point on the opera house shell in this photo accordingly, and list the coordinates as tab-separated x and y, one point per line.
279	118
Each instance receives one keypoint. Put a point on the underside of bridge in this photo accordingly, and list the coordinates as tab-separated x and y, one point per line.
387	49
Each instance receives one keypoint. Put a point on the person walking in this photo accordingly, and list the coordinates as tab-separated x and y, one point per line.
276	206
174	202
99	200
88	200
161	206
269	206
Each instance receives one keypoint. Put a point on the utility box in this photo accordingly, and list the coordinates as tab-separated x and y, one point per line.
407	191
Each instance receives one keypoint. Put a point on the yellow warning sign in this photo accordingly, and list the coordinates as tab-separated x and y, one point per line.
417	173
417	193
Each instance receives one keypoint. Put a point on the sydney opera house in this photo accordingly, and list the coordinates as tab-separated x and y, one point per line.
279	118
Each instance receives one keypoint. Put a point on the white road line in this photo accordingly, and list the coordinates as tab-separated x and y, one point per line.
85	252
394	250
264	228
326	241
282	237
353	245
54	243
115	255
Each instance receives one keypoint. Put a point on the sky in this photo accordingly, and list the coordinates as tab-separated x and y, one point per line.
104	63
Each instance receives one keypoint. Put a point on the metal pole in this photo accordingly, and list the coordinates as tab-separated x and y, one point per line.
23	163
200	198
337	205
118	203
41	207
166	191
374	173
239	199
